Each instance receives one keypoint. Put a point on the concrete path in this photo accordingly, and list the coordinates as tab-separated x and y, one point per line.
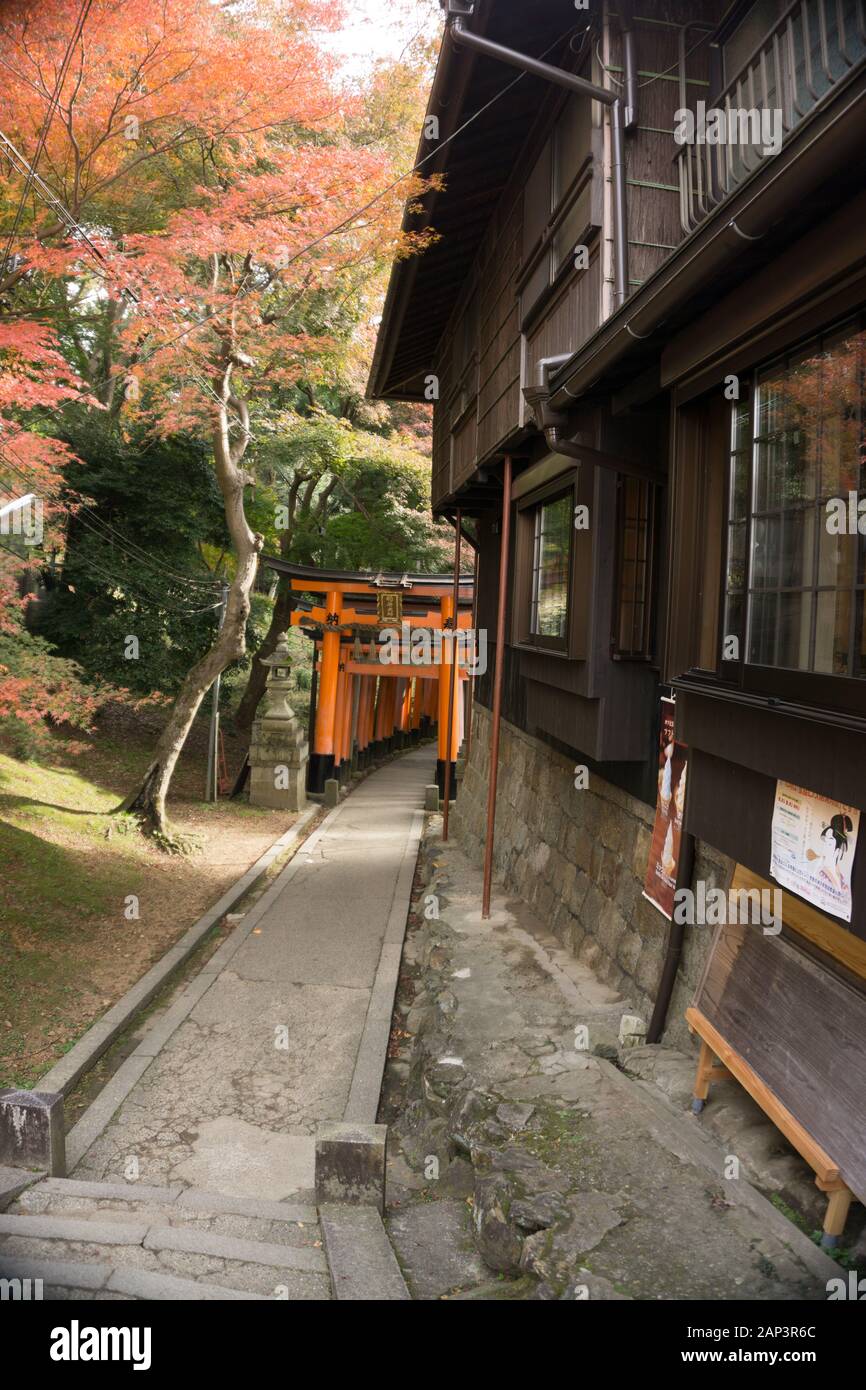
289	1018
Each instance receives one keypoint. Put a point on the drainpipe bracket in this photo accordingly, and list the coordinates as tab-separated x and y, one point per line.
537	398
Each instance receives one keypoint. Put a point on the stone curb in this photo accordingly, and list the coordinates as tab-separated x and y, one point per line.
58	1274
363	1102
13	1181
362	1263
148	1284
99	1037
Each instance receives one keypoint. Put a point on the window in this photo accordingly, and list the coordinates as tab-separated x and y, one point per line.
551	555
549	578
558	213
795	575
637	503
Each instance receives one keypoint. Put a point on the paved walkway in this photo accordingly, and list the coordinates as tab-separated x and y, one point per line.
287	1024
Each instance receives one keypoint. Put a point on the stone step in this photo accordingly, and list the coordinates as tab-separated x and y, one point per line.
233	1265
67	1278
251	1219
186	1198
158	1237
142	1235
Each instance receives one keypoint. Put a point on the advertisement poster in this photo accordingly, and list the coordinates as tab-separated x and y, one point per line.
813	846
664	857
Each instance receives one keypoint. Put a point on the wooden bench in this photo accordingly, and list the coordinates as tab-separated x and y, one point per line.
718	1061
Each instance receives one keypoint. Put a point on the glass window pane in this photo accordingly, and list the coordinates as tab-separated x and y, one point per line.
741	427
797	548
762	629
551	568
832	633
765	553
794	635
842	453
802	579
738	501
768	462
769	407
837	555
734	612
736	574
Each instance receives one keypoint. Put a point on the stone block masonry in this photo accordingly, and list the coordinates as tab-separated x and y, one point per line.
578	858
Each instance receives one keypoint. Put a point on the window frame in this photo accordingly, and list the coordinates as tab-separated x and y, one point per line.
646	653
821	689
527	510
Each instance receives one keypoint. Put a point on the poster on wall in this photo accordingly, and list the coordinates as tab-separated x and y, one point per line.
664	856
814	841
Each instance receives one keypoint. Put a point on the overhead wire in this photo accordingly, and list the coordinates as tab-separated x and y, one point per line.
344	225
347	222
120	580
46	124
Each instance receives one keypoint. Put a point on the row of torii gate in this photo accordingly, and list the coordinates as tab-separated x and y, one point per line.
388	669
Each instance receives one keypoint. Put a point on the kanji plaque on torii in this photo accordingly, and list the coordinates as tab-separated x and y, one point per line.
389	607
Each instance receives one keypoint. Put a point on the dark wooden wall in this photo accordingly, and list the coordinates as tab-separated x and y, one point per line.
654	228
480	406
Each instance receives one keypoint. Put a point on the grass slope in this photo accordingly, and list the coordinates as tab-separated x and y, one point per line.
70	943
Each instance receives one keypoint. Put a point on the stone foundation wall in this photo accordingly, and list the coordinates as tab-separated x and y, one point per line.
579	857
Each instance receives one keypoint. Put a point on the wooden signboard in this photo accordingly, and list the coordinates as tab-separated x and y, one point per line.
800	1033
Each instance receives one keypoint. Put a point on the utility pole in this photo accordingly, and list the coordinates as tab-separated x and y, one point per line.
212	789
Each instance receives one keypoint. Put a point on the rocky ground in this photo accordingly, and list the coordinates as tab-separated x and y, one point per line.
533	1156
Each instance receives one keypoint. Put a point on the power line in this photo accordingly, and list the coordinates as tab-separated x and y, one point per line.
139	590
347	222
135	552
46	124
123	582
344	225
70	222
131	546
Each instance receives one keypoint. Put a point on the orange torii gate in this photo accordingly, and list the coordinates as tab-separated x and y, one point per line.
384	673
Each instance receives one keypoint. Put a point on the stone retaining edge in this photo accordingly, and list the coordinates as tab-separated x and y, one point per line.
363	1102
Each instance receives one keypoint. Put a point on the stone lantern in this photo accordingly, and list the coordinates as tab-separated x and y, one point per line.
279	750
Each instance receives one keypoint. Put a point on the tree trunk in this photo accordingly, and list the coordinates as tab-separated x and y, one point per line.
148	799
257	679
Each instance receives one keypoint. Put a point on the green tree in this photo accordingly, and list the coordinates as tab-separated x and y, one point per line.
143	558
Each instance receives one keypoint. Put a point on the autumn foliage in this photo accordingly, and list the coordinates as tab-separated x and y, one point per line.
203	169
